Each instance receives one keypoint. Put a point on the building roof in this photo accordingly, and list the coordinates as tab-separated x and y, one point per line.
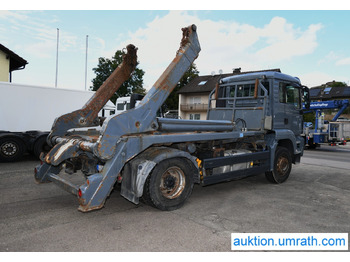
16	62
206	83
328	93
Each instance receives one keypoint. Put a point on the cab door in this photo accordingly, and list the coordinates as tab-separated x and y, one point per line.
290	95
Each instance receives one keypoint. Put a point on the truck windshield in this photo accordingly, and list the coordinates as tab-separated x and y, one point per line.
120	106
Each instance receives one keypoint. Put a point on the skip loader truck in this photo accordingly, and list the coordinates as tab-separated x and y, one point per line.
254	125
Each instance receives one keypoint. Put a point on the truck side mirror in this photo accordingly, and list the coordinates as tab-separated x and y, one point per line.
134	98
306	97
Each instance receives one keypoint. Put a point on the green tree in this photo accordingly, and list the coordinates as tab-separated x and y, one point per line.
105	68
309	117
336	84
172	102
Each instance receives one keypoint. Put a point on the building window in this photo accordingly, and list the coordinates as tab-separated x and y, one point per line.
195	100
195	117
202	83
327	90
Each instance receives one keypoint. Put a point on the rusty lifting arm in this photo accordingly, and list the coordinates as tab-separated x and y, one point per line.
87	116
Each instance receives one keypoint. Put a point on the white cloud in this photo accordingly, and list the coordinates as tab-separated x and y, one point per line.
344	61
225	45
335	58
285	42
40	36
100	42
13	16
317	78
329	58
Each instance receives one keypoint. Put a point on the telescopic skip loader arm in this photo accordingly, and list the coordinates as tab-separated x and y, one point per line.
87	116
143	118
114	146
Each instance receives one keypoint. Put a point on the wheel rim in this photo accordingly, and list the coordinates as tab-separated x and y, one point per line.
9	149
282	165
172	183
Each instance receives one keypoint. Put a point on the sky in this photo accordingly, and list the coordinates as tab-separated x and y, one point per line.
310	44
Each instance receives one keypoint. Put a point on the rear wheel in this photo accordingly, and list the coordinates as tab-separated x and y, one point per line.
169	185
11	149
40	146
282	166
311	144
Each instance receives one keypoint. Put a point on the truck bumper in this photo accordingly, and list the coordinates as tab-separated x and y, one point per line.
45	173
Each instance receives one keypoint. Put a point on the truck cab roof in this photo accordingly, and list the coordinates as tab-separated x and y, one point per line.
267	74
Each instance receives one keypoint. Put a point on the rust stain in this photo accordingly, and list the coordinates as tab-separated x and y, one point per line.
218	152
88	114
186	31
113	82
216	91
256	88
85	146
163	82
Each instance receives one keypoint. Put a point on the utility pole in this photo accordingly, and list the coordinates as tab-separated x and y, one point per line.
57	58
86	60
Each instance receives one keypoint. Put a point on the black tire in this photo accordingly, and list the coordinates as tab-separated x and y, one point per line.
311	144
282	166
40	145
169	185
11	149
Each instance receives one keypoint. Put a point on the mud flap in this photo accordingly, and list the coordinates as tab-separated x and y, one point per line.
134	176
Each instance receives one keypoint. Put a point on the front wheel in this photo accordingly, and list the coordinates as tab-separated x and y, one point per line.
169	185
282	166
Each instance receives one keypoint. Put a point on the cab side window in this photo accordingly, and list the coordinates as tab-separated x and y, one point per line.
290	95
